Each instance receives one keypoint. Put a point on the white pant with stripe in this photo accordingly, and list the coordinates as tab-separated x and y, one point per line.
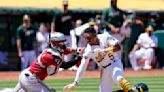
110	75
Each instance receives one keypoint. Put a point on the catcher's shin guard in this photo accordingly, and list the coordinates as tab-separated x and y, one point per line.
126	86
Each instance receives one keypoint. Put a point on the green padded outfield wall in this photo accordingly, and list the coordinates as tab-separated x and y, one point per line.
160	48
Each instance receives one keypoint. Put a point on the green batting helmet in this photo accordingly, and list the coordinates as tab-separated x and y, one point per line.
142	87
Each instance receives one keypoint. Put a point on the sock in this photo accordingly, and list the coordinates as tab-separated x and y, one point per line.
126	86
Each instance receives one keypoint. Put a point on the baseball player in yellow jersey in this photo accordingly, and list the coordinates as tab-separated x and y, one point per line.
102	49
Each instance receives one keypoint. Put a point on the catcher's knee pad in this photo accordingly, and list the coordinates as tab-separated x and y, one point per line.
141	87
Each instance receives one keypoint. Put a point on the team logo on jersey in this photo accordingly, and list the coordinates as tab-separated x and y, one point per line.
110	54
100	57
29	32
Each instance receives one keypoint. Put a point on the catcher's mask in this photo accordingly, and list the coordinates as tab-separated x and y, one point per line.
142	87
57	41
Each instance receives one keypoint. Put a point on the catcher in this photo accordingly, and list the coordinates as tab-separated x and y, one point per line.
102	49
47	63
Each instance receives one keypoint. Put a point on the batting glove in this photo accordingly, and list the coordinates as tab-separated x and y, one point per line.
109	49
70	87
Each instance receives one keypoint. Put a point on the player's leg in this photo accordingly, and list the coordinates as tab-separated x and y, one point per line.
24	60
118	77
38	87
106	80
43	87
32	56
18	88
149	53
30	83
133	59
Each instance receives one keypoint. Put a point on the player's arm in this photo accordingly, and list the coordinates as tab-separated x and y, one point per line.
113	45
136	46
114	48
79	74
80	30
77	32
107	20
78	56
71	63
18	42
19	47
81	69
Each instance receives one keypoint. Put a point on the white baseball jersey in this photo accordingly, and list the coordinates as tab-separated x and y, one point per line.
97	53
147	41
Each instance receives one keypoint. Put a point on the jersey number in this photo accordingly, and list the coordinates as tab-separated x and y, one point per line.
110	54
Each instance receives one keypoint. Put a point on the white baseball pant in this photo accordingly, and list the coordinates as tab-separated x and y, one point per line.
29	82
143	52
27	58
110	75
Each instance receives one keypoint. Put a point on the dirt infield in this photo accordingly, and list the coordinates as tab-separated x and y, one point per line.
71	74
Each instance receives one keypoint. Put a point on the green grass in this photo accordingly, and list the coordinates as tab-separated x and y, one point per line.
155	83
